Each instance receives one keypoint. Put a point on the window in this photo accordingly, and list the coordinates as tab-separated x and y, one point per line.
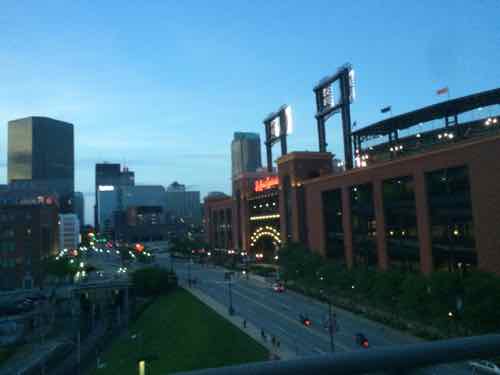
401	223
363	225
334	231
450	211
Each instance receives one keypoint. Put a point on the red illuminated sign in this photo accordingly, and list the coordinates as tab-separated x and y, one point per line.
266	183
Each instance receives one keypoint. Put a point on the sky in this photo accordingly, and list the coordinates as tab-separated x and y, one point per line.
162	85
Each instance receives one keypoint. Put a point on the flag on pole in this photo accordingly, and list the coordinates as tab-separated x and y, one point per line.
442	90
385	109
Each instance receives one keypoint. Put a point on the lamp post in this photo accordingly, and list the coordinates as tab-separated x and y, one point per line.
331	321
330	324
189	270
229	282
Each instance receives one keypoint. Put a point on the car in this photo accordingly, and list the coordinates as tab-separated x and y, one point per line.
304	319
361	340
484	367
278	287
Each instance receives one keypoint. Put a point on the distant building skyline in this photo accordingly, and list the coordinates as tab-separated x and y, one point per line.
69	231
79	207
40	155
245	153
183	203
109	175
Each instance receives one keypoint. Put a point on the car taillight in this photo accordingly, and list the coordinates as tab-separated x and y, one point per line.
365	344
307	322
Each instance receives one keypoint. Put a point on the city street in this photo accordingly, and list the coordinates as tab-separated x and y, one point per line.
278	315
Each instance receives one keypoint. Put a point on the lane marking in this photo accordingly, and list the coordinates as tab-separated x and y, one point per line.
288	308
320	336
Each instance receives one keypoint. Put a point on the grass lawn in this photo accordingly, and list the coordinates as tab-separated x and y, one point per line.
185	335
5	354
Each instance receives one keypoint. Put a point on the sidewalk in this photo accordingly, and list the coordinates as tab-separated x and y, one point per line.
251	330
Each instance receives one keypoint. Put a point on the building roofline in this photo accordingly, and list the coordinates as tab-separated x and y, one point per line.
432	112
404	159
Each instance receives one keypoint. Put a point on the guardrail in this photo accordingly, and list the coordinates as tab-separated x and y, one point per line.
395	359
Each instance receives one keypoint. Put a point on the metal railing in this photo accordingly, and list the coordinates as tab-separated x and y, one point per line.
395	359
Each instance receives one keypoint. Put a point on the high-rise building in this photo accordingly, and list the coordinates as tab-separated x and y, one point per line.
110	174
183	203
142	195
79	205
69	231
245	153
141	213
107	202
41	153
28	236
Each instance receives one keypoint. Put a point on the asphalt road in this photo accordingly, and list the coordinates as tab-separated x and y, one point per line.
278	315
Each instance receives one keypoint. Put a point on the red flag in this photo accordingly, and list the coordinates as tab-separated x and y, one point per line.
441	91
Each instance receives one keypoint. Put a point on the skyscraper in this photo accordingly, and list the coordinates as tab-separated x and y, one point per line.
245	153
79	205
41	153
183	203
110	174
69	231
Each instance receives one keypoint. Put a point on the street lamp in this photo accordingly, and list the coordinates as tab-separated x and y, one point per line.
331	321
189	270
228	277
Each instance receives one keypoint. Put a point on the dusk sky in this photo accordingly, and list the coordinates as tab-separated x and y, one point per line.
162	85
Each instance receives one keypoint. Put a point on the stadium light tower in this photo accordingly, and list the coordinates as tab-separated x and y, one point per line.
327	107
278	125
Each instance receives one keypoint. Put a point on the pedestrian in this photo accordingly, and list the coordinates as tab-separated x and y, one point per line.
244	323
273	341
278	343
263	334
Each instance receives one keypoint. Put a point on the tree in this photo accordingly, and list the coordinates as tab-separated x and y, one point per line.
59	267
298	262
481	303
415	297
444	288
153	281
387	288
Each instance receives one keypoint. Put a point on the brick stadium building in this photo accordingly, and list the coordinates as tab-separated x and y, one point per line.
424	194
